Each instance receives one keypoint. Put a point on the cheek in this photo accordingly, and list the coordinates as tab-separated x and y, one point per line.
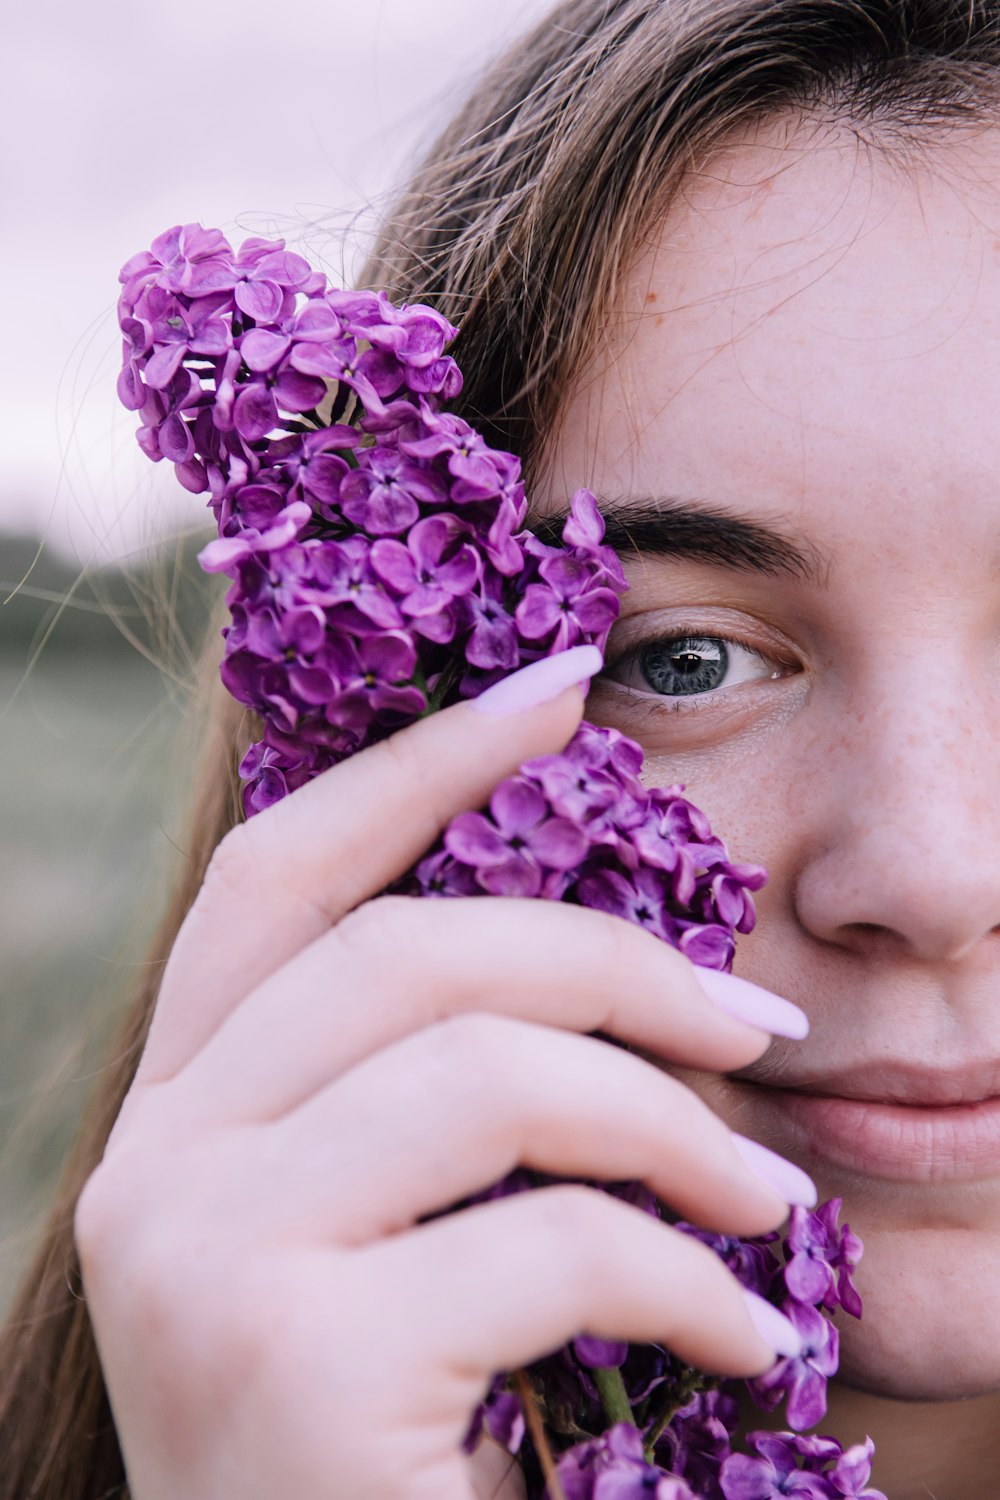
764	799
756	797
761	774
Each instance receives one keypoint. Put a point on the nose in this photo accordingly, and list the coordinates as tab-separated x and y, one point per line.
903	844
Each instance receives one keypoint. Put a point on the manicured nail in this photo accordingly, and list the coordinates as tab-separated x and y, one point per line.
748	1002
774	1328
540	681
788	1180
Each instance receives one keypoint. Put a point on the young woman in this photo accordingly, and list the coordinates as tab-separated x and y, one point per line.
735	265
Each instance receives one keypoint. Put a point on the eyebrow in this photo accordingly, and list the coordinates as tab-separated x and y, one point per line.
671	527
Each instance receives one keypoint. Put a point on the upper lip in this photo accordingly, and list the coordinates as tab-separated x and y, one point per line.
891	1082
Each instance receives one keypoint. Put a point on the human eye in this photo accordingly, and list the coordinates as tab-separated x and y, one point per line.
691	663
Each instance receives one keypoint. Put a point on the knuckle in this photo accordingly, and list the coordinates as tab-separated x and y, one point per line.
93	1218
573	1213
384	925
617	943
585	1229
473	1048
628	942
112	1230
113	1206
605	947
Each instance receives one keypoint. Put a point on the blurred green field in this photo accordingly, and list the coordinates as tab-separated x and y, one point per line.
88	762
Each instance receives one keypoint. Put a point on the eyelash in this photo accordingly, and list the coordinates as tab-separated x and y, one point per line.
684	703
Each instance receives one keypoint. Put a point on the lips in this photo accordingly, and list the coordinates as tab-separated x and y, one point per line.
903	1083
894	1122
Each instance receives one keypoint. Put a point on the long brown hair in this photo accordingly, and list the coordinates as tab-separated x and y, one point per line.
517	226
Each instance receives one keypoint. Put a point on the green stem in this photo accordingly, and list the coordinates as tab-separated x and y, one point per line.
687	1386
614	1397
444	684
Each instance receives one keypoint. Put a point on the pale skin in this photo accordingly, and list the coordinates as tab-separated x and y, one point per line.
811	340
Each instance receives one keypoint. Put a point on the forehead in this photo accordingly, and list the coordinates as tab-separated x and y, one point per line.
813	318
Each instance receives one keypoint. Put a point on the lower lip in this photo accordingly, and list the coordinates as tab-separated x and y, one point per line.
897	1142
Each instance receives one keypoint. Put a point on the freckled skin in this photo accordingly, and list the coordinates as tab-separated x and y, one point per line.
824	356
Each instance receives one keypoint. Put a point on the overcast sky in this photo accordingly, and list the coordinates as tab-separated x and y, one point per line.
119	120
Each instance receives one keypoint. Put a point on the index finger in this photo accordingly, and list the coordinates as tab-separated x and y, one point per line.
279	881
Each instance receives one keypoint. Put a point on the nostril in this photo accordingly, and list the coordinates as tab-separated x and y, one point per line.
875	939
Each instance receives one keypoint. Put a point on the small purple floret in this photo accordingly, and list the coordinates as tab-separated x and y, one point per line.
612	1467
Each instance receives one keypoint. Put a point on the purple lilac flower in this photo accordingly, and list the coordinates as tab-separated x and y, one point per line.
369	675
612	1467
638	897
802	1380
850	1474
477	471
178	260
773	1473
429	573
823	1256
492	641
499	1416
383	497
567	602
600	1354
514	848
697	1441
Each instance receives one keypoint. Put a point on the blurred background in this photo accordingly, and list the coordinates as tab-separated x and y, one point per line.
119	121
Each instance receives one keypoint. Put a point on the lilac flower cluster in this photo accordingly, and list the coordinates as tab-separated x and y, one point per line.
814	1275
786	1463
372	538
379	569
613	1467
683	1425
580	826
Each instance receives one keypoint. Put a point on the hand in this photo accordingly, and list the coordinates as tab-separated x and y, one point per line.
325	1068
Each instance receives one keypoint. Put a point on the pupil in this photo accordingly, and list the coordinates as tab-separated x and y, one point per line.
690	664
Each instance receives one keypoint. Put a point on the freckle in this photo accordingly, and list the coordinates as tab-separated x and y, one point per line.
650	296
658	320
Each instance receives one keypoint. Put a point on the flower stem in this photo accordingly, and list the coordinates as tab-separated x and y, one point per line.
689	1384
444	684
614	1397
536	1427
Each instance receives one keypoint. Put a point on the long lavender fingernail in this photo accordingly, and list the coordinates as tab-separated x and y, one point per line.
540	681
788	1180
774	1328
748	1002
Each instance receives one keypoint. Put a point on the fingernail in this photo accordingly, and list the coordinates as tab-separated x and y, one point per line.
788	1180
540	681
748	1002
774	1328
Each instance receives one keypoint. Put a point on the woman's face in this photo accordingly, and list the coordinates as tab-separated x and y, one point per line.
809	350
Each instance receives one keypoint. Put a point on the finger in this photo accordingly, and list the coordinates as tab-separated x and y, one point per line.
397	965
281	879
494	1473
450	1110
505	1283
